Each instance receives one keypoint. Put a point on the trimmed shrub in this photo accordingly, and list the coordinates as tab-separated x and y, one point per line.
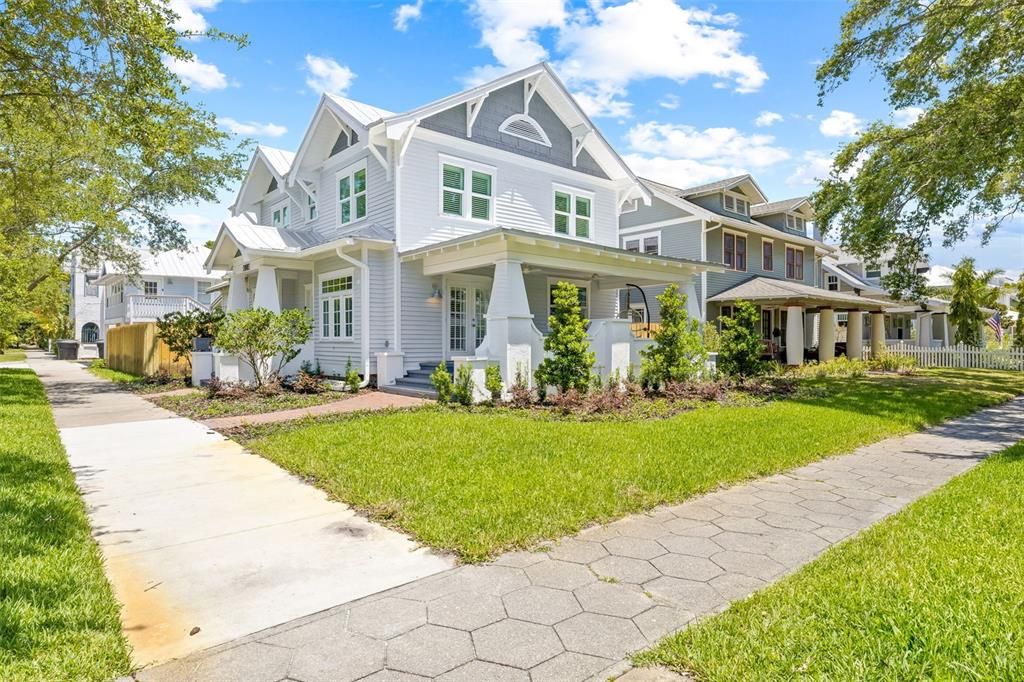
571	360
493	382
678	351
740	352
442	382
258	336
462	387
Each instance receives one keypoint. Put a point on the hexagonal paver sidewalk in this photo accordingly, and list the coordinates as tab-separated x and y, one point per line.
576	610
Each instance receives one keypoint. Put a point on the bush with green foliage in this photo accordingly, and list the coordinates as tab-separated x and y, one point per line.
890	362
180	330
493	383
1018	307
971	291
712	339
462	386
571	360
678	352
352	379
442	382
259	336
741	347
841	367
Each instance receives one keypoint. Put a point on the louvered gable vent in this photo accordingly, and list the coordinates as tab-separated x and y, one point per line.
522	126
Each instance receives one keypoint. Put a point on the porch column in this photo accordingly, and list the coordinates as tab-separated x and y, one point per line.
877	334
511	338
855	335
811	321
794	335
237	298
924	329
946	334
826	335
266	290
692	303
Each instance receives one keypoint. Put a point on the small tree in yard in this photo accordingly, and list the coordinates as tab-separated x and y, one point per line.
571	359
678	353
258	336
179	330
740	352
970	292
1018	306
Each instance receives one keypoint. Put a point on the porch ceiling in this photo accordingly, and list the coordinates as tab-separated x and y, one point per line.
612	266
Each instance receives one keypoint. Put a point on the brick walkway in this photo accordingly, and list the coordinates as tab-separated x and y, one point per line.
368	400
576	611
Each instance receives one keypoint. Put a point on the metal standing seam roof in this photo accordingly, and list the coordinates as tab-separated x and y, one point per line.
171	264
361	111
279	159
767	288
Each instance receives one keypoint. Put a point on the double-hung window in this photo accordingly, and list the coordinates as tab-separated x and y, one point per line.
573	213
352	193
734	251
647	244
833	283
467	190
794	262
735	205
336	305
282	215
795	222
767	255
149	288
311	212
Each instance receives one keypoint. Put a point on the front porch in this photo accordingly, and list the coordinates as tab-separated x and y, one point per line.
494	295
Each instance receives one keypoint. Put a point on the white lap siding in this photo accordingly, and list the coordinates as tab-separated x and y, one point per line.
422	321
333	354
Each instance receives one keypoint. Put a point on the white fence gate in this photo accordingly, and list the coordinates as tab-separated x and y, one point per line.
960	356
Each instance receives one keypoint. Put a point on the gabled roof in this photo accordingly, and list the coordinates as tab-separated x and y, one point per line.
364	113
184	264
720	185
267	163
783	206
832	266
280	160
779	290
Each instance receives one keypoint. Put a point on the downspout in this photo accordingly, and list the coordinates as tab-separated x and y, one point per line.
364	307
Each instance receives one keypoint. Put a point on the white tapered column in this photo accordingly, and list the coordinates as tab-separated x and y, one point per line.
237	298
826	335
877	335
855	335
266	290
794	335
512	339
924	329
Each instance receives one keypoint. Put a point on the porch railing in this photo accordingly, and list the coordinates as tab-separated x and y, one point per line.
143	308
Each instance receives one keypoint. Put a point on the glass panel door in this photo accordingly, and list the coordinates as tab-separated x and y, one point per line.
457	319
766	324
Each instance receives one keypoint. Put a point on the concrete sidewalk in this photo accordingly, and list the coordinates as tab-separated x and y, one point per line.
199	536
576	612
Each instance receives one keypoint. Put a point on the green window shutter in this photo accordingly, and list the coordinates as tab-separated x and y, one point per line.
561	223
359	181
583	207
481	208
582	227
361	206
481	183
344	188
562	201
451	203
453	177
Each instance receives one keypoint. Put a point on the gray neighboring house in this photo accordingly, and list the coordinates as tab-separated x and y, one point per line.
769	254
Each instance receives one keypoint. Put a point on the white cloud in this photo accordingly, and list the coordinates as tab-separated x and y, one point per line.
669	102
189	18
718	146
814	166
252	127
197	73
405	14
767	118
907	116
840	123
327	75
678	43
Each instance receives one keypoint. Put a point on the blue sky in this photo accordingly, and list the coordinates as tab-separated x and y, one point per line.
686	92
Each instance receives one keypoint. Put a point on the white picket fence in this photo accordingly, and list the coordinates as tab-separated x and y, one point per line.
959	356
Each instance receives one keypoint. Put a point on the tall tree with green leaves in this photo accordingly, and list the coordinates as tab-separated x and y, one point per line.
971	292
571	360
1018	307
678	352
98	137
958	67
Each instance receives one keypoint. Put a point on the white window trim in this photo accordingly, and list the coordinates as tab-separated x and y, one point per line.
582	283
467	192
796	228
342	295
312	202
741	197
764	240
803	254
828	282
746	260
641	237
574	192
350	171
156	287
279	206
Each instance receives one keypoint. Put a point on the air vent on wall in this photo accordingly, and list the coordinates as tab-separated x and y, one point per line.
522	126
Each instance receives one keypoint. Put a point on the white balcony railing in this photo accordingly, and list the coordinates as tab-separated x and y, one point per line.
149	308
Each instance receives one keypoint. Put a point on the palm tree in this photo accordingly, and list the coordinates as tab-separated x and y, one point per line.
971	292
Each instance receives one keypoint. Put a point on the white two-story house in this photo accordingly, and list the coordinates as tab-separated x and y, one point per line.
85	308
768	254
438	233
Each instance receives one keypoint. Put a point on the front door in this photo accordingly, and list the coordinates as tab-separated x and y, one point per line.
467	315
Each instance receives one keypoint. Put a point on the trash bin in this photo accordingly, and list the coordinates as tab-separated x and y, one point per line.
67	349
99	349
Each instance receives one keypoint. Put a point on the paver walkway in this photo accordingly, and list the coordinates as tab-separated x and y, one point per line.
576	611
369	400
198	533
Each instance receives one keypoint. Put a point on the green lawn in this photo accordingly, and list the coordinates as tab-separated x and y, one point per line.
934	592
133	382
12	355
58	617
480	482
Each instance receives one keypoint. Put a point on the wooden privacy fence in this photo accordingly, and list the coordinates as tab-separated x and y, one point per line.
136	349
644	330
961	356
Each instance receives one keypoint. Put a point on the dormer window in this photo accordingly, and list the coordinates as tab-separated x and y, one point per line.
282	216
526	128
735	204
795	222
311	213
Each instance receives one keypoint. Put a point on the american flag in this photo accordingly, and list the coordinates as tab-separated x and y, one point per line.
996	322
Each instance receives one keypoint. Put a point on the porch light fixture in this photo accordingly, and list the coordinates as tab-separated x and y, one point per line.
435	295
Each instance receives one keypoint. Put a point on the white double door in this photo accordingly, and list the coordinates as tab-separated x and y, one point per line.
466	310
